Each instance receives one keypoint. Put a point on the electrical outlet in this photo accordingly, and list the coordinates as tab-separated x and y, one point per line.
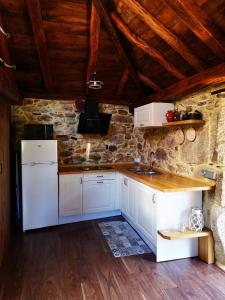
209	174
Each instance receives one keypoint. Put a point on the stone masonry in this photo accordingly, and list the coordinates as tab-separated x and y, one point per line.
117	146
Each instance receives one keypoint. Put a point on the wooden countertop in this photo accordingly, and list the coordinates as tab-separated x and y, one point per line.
164	182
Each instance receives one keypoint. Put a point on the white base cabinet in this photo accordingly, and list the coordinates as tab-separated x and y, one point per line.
81	194
95	195
98	196
70	195
149	210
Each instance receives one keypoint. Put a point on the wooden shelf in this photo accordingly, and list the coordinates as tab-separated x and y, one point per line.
205	241
173	234
184	123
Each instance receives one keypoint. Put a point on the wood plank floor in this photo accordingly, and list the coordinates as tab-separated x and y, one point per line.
74	262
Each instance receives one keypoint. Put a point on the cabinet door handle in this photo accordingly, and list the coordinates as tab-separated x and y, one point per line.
141	125
125	181
99	181
81	180
153	198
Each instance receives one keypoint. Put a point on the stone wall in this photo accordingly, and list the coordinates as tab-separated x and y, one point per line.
117	146
189	158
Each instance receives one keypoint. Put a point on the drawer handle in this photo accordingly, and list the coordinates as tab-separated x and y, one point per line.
99	175
141	125
99	181
153	198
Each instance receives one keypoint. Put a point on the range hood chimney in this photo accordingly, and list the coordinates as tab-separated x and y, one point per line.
91	121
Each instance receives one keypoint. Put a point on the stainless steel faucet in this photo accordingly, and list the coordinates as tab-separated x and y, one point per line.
151	160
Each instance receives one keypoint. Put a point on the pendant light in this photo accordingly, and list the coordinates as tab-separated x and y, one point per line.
94	83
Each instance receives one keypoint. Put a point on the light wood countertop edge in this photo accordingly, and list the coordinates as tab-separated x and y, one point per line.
122	168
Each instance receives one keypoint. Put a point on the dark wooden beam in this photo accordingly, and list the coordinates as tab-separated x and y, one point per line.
4	53
103	12
149	82
169	37
212	76
47	95
199	23
123	82
34	10
8	86
95	26
8	90
141	44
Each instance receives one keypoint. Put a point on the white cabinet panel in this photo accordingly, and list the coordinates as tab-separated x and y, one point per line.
131	200
146	211
70	195
153	114
99	196
124	194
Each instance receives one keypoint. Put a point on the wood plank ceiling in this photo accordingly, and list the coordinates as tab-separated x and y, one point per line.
143	50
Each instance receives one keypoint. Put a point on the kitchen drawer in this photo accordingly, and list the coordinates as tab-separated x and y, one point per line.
99	176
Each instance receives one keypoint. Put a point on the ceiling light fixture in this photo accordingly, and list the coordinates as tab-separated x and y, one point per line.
94	83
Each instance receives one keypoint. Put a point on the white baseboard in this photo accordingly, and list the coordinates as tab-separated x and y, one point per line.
87	217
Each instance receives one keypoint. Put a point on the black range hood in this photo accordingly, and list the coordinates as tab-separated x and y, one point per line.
91	121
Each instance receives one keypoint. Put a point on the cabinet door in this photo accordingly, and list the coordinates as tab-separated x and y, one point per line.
124	195
131	200
146	212
99	196
70	195
141	116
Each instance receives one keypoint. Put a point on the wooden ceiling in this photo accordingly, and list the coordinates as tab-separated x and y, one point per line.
143	50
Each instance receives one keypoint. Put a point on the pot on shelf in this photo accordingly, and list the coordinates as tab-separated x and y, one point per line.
170	116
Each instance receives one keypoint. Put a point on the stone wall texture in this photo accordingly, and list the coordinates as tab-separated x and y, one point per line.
117	146
123	143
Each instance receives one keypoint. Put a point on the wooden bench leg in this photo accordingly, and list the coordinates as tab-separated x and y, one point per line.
206	248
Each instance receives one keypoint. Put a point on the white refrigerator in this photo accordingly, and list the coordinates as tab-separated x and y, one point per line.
39	183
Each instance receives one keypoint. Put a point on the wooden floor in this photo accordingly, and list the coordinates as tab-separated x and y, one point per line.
74	262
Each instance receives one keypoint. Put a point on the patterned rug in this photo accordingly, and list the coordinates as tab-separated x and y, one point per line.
123	239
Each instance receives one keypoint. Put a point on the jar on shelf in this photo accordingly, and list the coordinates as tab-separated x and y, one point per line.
196	219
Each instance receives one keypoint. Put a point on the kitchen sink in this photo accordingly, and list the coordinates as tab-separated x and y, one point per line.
144	171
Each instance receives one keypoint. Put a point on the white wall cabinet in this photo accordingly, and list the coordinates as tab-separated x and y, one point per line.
70	195
99	196
152	114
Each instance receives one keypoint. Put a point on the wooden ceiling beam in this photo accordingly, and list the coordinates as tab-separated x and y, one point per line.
105	16
149	82
34	10
47	95
8	90
211	76
95	28
198	22
169	37
8	85
141	44
123	82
